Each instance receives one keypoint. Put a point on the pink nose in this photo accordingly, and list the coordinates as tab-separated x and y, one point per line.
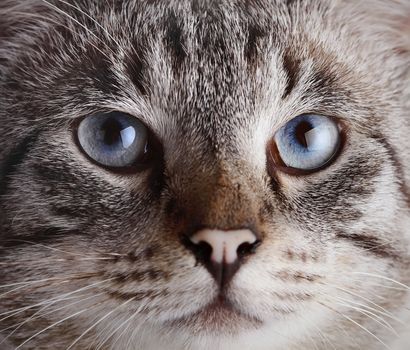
221	251
224	244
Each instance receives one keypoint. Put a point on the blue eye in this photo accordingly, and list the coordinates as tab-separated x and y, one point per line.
308	142
113	139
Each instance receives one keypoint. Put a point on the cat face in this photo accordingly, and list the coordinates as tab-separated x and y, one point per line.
108	245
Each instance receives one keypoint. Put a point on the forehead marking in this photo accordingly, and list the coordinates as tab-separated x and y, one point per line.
291	67
174	40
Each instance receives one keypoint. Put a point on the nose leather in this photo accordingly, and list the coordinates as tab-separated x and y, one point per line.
224	244
222	251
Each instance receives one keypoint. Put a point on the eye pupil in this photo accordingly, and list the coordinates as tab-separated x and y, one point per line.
301	133
111	130
114	133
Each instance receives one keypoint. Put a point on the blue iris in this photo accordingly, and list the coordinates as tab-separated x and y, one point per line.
308	141
113	139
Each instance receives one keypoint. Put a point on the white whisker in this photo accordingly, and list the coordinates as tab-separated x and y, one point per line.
99	321
38	315
385	286
378	319
59	250
83	26
35	244
361	297
12	290
92	19
312	340
31	281
384	278
53	325
389	315
128	320
357	324
15	312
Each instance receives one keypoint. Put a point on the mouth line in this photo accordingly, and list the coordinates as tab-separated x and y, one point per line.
220	303
217	313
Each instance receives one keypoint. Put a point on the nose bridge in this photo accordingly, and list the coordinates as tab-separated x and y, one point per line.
217	217
222	199
231	203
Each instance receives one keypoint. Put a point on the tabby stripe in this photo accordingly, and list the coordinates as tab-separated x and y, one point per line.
404	188
255	33
14	159
35	236
174	40
371	244
291	67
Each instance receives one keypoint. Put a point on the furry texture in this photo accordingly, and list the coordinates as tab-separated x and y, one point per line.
93	259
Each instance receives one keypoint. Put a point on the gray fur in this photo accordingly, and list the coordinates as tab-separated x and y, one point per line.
213	80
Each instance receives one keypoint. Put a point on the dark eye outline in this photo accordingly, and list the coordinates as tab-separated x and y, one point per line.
152	155
275	162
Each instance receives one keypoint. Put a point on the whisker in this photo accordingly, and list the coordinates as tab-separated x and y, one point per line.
378	319
53	280
38	315
324	337
357	324
57	260
388	243
94	21
64	26
312	340
343	329
60	250
369	283
321	335
384	278
99	321
361	297
46	305
15	312
83	26
128	320
55	324
13	290
392	317
31	281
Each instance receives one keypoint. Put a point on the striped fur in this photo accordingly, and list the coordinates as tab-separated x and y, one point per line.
213	80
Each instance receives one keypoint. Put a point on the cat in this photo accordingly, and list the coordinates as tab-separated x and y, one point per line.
202	174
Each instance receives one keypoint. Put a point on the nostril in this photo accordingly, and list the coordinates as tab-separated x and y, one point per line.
202	251
247	248
221	247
